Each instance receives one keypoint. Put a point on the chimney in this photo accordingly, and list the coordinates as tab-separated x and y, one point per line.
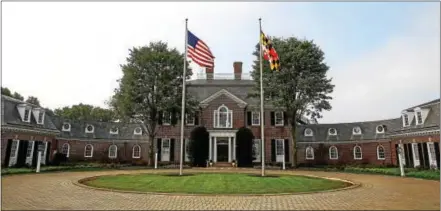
237	70
209	73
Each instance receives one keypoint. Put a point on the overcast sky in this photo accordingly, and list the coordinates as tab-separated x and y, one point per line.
384	57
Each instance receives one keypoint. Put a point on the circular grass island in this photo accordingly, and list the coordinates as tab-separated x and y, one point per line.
214	183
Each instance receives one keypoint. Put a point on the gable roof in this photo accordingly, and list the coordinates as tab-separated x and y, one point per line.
207	100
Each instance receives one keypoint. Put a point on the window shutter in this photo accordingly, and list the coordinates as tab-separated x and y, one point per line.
174	120
273	118
273	150
48	152
172	150
285	119
196	119
158	149
160	117
249	117
183	153
286	150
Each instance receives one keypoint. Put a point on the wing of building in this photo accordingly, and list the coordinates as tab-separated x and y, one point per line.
224	108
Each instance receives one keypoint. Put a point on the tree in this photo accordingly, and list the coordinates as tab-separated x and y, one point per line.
33	100
301	87
198	148
86	112
151	84
18	96
6	91
244	137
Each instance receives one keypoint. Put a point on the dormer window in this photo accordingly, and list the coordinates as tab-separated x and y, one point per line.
332	132
405	120
40	117
356	131
308	132
66	127
223	117
114	130
89	129
380	129
26	117
137	131
25	112
419	116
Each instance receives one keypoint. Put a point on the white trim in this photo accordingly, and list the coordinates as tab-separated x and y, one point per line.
275	119
91	151
204	103
89	131
380	126
405	116
432	157
135	133
361	152
32	149
116	151
306	134
169	118
257	149
378	152
13	159
336	153
66	130
190	123
312	153
114	132
165	156
29	115
229	119
418	111
133	151
252	118
280	157
415	152
424	132
332	134
356	133
68	149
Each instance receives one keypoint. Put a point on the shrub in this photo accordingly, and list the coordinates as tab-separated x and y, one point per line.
198	148
59	158
244	139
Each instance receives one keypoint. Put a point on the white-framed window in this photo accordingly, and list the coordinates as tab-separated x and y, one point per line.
405	120
380	129
189	119
255	118
65	149
256	150
419	117
40	117
356	130
308	132
114	130
187	150
88	151
333	153
113	151
380	153
309	153
223	117
136	151
30	149
280	150
66	127
43	153
89	129
357	153
165	151
278	118
332	131
137	131
166	118
27	115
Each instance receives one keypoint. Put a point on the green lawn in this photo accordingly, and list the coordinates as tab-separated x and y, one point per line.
212	183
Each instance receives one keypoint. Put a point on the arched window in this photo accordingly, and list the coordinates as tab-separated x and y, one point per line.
65	149
333	153
380	153
309	153
136	151
357	153
88	151
223	117
113	151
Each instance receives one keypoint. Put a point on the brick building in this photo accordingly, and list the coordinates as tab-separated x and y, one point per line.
224	107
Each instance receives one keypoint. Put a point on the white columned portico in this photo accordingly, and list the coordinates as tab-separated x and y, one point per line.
229	149
210	148
231	135
215	150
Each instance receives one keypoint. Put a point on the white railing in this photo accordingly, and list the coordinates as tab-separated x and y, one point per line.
244	76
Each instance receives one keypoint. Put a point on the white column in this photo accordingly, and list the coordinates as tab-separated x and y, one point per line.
229	149
234	149
432	156
215	150
210	148
38	161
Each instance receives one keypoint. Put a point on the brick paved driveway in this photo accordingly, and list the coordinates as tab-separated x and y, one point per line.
56	191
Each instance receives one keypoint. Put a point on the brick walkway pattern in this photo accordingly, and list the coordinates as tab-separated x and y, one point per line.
57	191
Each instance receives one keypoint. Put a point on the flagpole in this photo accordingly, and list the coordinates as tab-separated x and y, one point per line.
262	117
183	98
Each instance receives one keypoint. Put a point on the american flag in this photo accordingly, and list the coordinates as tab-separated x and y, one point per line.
199	52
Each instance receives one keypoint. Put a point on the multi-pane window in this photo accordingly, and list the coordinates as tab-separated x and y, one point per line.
223	118
278	118
43	153
65	149
279	147
30	149
136	151
309	153
415	149
26	115
256	150
406	119
113	151
88	151
190	119
419	117
333	153
166	118
14	148
380	152
40	117
255	118
357	153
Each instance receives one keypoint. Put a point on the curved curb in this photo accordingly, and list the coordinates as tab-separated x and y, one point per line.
352	185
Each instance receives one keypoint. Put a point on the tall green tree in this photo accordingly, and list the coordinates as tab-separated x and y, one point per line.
151	84
86	112
301	87
33	100
6	91
18	96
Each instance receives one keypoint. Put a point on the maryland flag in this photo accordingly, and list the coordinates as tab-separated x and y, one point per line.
269	53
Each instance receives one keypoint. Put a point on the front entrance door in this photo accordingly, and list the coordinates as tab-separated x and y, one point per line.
222	150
